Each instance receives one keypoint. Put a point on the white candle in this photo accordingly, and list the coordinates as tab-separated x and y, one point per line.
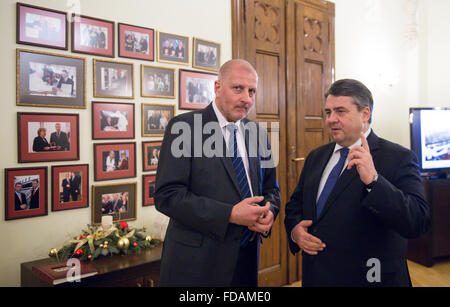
107	221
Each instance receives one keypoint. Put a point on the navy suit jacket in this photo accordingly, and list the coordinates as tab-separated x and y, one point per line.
357	225
201	247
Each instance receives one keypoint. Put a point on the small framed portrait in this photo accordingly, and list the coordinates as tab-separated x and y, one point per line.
148	190
50	80
206	55
116	200
113	79
114	161
196	89
25	192
173	48
150	155
92	36
112	120
136	42
47	137
155	118
70	187
158	82
38	26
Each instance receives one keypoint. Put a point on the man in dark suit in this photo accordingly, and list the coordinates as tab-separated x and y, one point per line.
66	188
75	181
34	199
20	199
59	139
217	214
352	215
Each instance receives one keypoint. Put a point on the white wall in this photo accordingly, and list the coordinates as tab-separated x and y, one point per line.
29	239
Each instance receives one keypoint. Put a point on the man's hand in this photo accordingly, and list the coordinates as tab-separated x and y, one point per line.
308	243
361	157
247	212
264	222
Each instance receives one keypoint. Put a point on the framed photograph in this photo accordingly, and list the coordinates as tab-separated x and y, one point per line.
155	118
112	120
206	55
38	26
50	80
196	89
116	200
47	137
113	79
25	192
136	42
70	187
114	161
150	155
148	190
173	48
92	36
158	82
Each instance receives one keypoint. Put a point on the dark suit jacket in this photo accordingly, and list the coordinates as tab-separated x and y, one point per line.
34	199
201	247
357	225
17	201
39	144
62	140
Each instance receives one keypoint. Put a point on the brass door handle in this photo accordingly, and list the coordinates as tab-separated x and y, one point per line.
298	159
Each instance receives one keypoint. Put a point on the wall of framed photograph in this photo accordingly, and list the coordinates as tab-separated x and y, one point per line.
50	48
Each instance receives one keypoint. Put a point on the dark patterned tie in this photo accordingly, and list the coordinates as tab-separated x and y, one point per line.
241	175
331	181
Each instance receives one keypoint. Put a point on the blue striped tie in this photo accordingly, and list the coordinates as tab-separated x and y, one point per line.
241	175
331	181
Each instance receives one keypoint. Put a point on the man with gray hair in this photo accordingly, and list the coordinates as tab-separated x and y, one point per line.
219	202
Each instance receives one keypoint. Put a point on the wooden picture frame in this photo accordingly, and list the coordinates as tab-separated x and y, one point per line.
70	187
114	161
93	36
173	48
157	82
206	54
22	198
196	89
148	190
155	118
136	42
43	27
112	120
50	80
104	202
44	137
150	155
113	79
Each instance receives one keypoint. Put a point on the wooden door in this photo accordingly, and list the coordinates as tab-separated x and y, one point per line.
265	34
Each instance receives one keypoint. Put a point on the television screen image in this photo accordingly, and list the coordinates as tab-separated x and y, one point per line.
430	137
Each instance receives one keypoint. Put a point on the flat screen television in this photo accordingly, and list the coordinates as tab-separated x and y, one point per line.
430	139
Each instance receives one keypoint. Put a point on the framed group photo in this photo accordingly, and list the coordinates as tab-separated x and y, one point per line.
136	42
50	80
148	190
25	192
92	36
155	118
38	26
44	137
112	120
196	89
150	155
173	48
116	200
70	186
114	161
157	82
113	79
206	55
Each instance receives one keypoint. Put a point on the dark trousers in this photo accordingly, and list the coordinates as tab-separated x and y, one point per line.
246	271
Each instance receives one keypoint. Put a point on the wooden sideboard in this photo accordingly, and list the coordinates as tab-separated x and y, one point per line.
436	242
140	270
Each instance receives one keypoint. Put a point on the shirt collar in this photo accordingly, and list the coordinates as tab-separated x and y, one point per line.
357	143
222	120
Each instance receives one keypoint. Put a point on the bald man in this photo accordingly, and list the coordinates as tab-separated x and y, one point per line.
216	180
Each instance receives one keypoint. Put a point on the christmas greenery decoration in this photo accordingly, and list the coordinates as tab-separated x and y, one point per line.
95	242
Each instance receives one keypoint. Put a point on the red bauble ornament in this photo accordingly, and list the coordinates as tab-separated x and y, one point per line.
134	244
78	253
123	225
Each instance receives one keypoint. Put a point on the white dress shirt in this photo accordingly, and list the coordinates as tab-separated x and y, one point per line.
239	139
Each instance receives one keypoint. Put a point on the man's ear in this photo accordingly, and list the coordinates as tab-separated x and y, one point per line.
365	115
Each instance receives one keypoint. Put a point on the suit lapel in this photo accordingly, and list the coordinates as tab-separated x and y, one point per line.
253	162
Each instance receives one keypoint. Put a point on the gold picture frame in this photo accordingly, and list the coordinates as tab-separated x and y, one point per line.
173	48
116	79
155	123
